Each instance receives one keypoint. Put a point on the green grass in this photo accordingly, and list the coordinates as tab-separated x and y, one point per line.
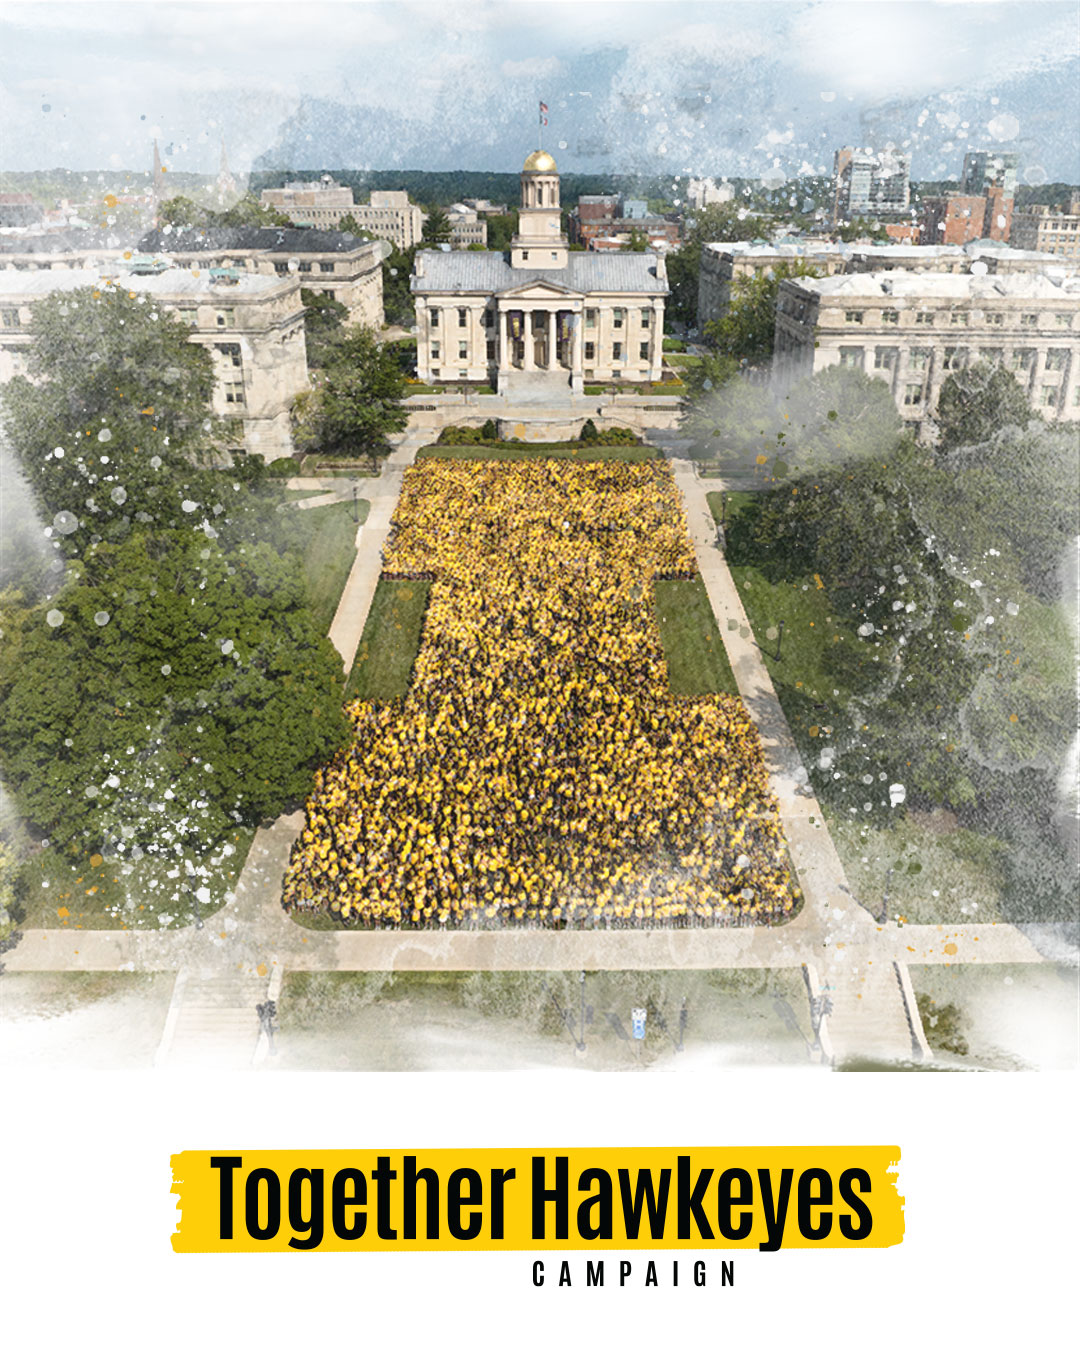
675	359
585	452
329	553
697	660
384	660
737	503
115	894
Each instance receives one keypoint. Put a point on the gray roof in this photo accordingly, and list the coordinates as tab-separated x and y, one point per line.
264	238
490	272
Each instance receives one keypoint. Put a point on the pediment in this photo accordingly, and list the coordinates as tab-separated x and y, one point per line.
536	289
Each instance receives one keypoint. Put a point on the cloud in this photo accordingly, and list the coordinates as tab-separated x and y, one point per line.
533	68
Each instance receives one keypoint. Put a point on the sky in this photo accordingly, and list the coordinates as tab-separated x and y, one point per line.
754	89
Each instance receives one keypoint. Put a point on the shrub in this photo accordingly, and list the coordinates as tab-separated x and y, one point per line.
674	345
589	431
490	430
468	435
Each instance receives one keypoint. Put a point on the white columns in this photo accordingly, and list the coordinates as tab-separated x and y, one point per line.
530	340
551	362
504	340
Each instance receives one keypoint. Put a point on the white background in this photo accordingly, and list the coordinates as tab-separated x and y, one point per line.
988	1170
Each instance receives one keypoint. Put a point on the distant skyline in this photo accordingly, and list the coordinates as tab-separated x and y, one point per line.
751	89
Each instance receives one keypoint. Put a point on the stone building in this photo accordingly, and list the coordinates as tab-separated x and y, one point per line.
960	219
721	263
611	221
913	330
466	227
321	203
327	261
870	183
540	310
1057	232
252	324
391	216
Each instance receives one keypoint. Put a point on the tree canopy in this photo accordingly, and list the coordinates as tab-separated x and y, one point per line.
746	330
978	400
436	227
324	325
356	403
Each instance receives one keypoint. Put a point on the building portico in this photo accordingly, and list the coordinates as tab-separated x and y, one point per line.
539	309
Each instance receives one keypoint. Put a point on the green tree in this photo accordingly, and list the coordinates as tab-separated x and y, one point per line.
501	229
976	401
348	224
436	227
249	210
116	403
166	693
324	323
397	270
181	211
357	402
638	242
746	329
860	228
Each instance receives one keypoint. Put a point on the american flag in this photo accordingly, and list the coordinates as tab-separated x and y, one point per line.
543	114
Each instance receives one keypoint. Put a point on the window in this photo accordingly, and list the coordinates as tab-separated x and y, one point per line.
853	316
644	351
1023	358
617	316
524	255
992	355
282	269
919	358
955	358
852	357
326	267
489	318
958	318
463	374
1028	320
434	318
305	267
463	351
885	358
912	395
590	318
890	316
1057	358
1048	395
188	316
434	351
925	317
491	350
554	256
434	372
1063	320
463	318
226	318
646	318
230	351
11	318
616	351
234	390
995	320
590	351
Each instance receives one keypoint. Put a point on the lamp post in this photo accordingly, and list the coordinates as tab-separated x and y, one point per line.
355	513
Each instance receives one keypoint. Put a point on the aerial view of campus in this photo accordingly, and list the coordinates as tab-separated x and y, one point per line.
567	562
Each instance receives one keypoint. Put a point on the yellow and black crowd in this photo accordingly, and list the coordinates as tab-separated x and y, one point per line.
539	769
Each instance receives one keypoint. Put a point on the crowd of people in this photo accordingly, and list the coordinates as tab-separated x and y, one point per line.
539	768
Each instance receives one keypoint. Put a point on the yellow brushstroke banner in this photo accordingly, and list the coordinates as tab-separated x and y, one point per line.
244	1200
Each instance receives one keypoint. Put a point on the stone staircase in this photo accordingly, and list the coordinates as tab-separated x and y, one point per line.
212	1022
873	1017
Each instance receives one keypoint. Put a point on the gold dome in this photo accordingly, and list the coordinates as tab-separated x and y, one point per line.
540	162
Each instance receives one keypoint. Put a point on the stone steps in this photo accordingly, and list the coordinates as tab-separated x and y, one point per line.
212	1022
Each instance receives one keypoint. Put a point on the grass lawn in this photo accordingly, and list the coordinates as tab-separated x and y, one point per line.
697	660
939	873
391	640
585	452
107	893
676	359
329	553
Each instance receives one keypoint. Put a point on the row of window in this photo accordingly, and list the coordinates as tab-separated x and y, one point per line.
1020	359
957	318
619	318
590	351
283	268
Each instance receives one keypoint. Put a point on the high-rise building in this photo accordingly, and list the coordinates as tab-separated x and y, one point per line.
1038	227
989	169
870	182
